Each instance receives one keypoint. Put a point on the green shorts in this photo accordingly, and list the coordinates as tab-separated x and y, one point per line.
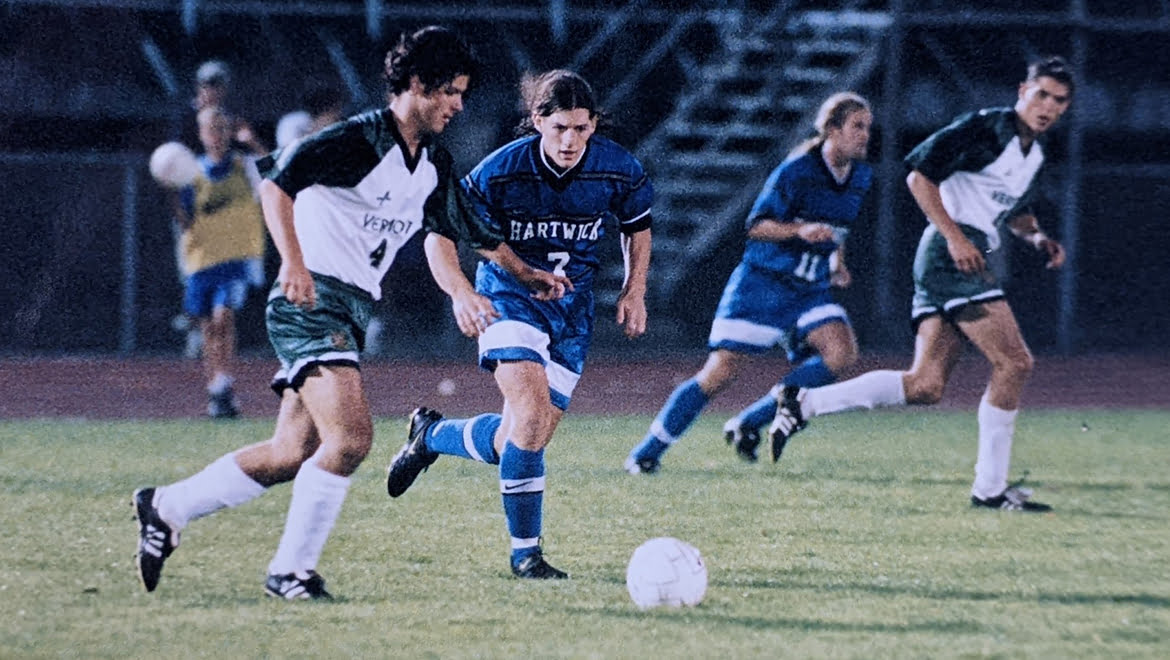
333	332
939	287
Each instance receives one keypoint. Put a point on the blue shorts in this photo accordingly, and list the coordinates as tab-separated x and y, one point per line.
221	285
555	334
760	310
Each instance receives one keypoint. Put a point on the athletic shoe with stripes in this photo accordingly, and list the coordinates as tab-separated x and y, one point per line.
789	419
534	567
156	539
414	457
302	585
1014	498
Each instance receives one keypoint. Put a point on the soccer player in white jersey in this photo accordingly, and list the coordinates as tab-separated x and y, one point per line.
339	205
968	177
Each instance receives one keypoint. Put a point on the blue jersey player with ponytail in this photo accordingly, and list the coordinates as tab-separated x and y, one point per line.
779	294
552	195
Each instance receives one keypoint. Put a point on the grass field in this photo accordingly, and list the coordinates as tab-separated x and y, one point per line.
859	544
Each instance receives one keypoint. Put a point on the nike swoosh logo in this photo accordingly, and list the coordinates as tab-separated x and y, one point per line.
522	484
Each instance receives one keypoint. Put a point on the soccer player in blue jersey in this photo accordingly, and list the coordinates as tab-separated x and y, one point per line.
779	293
339	205
968	177
553	195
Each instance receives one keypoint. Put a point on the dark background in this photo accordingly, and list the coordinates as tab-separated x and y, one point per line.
88	89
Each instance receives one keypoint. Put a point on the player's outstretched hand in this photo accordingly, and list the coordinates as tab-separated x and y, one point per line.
1054	250
631	314
473	313
297	285
816	232
966	256
546	285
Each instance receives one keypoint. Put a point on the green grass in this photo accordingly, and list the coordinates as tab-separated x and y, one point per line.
859	544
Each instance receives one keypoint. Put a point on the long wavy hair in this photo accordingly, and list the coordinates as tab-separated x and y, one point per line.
833	113
554	91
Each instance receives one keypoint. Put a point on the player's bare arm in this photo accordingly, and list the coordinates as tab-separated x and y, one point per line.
631	303
473	312
966	256
1027	228
295	280
839	275
545	285
774	231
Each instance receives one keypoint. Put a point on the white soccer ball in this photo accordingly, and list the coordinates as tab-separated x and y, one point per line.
666	572
174	165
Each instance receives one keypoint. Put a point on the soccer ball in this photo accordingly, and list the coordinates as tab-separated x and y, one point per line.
667	572
174	165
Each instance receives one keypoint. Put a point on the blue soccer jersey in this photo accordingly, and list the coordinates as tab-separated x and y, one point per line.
554	220
803	188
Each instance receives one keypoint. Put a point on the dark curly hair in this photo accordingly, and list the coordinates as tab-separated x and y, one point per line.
1052	66
435	54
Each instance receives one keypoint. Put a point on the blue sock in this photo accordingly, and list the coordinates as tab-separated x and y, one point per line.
677	415
467	438
522	489
759	413
810	373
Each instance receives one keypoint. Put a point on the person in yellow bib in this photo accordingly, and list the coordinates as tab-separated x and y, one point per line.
221	251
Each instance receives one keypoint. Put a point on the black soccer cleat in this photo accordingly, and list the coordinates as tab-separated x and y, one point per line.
534	567
635	465
223	405
156	539
302	585
414	457
789	419
1013	498
746	441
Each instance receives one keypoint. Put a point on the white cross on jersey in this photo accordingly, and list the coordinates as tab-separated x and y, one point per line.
353	234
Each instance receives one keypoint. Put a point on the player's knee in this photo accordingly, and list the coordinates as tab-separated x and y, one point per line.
839	358
533	429
1014	366
924	390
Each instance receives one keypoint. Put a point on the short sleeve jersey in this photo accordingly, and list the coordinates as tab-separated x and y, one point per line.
983	174
803	189
554	220
360	196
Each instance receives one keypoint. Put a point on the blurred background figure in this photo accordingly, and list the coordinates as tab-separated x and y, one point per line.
221	248
322	106
213	80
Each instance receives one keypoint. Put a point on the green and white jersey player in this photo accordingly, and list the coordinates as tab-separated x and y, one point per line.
967	178
339	206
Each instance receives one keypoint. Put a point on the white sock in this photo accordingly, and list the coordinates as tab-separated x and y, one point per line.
220	383
869	390
317	497
219	485
996	428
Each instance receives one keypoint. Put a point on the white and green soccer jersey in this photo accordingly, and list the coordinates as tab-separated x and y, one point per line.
983	174
359	197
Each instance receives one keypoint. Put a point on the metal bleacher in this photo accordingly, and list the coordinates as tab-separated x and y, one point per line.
734	122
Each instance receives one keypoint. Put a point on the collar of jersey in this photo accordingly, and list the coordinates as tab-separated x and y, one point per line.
552	169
